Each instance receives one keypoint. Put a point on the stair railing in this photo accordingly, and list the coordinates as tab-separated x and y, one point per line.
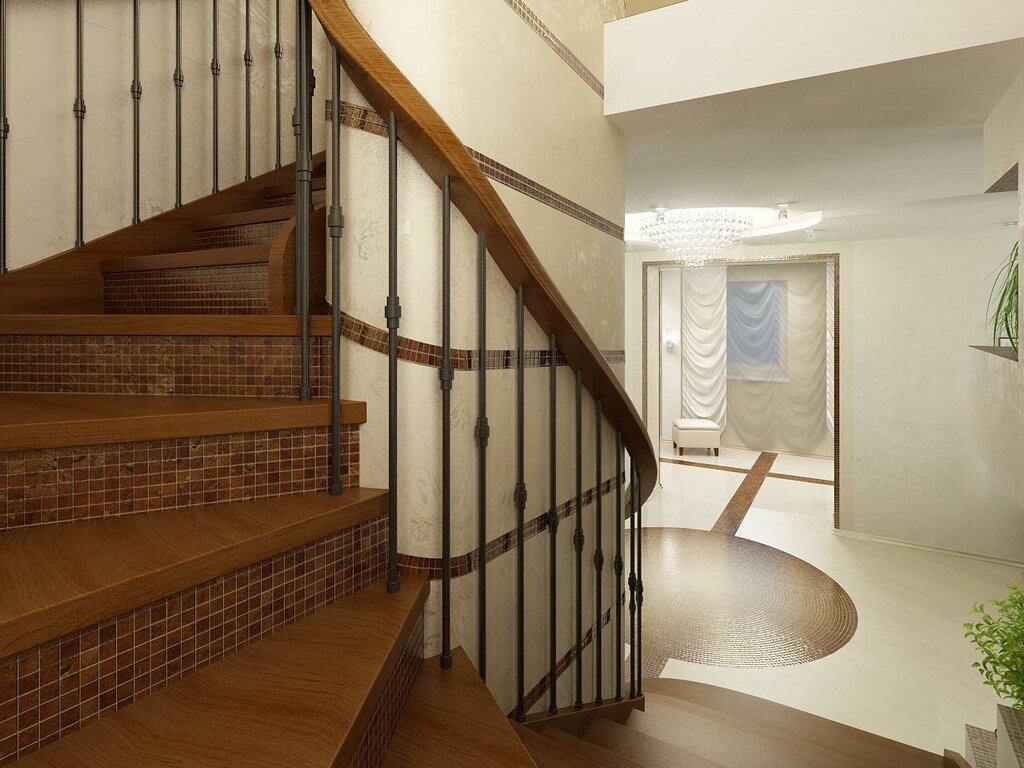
448	162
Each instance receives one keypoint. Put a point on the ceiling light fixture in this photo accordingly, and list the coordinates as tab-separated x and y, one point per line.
695	235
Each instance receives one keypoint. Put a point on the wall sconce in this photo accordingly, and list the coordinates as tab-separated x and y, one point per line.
670	346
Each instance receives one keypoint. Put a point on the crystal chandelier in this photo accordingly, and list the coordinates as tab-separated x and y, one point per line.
695	235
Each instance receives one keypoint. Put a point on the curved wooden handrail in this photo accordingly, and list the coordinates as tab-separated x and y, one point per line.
439	151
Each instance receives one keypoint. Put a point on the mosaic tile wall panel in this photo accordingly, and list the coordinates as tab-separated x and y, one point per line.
374	745
260	233
65	684
234	289
61	485
243	366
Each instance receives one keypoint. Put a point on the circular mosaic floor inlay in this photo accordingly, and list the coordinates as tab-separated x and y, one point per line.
721	600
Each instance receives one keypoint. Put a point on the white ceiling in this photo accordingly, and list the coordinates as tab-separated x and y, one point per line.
868	138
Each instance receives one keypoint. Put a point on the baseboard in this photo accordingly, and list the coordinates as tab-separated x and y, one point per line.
929	548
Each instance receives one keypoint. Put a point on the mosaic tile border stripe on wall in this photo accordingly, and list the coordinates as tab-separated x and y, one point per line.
41	487
463	565
247	366
373	747
364	119
67	683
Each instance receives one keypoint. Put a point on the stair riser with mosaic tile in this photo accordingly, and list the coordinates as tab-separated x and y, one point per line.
235	289
64	684
63	485
242	366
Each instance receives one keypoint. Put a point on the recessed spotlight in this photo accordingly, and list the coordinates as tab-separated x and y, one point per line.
783	209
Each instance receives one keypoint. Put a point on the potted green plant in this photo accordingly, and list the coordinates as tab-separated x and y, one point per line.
999	636
1004	301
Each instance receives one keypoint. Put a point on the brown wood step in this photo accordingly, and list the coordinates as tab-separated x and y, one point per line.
549	754
652	751
782	720
110	565
451	720
207	257
283	189
243	218
303	696
29	421
594	752
160	325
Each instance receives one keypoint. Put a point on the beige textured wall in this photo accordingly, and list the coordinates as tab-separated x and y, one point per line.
634	7
480	65
1004	133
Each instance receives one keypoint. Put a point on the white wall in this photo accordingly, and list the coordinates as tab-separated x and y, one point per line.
1004	133
705	47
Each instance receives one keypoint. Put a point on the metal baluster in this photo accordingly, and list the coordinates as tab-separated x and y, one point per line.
483	434
136	91
179	82
598	558
553	522
4	131
618	566
336	226
393	317
79	112
632	581
639	590
303	184
247	61
578	539
446	375
215	72
278	54
520	502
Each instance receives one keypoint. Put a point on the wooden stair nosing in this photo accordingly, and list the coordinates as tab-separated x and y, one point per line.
111	565
588	749
780	718
205	257
452	721
160	325
550	754
30	421
275	213
301	696
575	720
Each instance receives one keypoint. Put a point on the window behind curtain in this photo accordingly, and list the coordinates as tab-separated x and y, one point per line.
757	322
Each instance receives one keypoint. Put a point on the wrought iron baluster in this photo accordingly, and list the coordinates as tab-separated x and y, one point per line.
639	590
4	132
578	539
619	638
278	54
79	112
179	83
446	376
303	183
247	62
136	91
598	560
520	502
553	523
393	316
483	434
632	580
215	72
336	226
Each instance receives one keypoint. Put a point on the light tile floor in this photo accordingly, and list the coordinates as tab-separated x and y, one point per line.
906	674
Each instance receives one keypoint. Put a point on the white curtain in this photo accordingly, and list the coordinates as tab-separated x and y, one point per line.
830	347
703	344
782	405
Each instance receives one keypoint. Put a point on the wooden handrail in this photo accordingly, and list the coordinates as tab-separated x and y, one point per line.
439	151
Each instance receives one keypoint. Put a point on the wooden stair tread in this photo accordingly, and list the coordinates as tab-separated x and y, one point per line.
656	752
288	187
451	720
206	257
300	697
30	421
109	565
777	718
594	752
241	218
549	754
160	325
